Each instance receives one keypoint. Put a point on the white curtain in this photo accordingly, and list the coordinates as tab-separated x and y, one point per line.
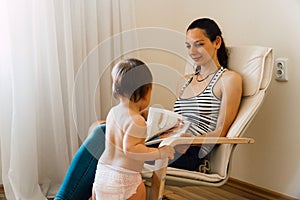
55	59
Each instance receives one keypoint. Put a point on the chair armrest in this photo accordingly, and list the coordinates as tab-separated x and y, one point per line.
173	141
159	175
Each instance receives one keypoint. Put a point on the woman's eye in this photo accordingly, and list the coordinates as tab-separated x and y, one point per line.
188	46
198	45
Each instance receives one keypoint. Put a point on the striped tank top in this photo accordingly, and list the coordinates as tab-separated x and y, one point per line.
201	110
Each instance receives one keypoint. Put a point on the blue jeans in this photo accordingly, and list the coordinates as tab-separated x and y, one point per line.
78	182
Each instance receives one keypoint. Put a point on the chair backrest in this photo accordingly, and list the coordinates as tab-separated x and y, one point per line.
255	65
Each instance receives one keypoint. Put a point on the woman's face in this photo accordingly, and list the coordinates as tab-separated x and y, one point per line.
200	48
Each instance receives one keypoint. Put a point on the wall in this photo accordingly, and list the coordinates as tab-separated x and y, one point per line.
273	161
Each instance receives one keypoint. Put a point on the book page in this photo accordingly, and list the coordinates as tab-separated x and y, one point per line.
162	123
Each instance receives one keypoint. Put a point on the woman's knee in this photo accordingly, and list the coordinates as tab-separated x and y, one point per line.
95	143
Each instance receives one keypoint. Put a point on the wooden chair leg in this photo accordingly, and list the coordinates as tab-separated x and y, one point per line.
158	180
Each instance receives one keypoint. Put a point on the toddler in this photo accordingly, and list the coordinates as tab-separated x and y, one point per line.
118	170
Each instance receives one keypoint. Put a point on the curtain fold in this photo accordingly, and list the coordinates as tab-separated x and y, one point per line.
55	61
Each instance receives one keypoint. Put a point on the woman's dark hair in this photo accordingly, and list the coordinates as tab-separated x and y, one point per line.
212	30
131	79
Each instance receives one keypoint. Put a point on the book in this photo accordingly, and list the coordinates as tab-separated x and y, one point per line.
163	123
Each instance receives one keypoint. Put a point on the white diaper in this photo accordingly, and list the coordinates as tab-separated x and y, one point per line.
115	183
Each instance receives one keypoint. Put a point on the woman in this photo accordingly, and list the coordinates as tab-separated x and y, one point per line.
209	98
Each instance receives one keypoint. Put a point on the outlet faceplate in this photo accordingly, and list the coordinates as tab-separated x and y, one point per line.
281	65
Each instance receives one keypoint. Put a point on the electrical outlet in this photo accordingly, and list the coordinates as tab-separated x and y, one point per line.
281	65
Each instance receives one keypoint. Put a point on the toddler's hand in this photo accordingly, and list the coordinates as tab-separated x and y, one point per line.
166	152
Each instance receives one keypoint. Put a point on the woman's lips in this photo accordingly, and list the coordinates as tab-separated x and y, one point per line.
196	59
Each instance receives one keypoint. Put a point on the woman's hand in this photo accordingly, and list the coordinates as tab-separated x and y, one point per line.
182	148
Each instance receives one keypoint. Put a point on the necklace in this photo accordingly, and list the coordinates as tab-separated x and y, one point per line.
200	80
197	73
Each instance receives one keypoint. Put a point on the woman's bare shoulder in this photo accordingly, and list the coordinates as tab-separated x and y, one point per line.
231	76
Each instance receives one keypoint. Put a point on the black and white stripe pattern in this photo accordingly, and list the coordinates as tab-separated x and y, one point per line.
202	110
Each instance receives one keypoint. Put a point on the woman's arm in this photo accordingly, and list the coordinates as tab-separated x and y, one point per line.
230	88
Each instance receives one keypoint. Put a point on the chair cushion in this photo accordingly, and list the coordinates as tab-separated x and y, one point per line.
194	175
147	173
250	62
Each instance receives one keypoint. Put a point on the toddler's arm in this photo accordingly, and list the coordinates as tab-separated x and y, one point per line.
135	148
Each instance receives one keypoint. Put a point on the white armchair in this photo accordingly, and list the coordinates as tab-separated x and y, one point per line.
255	65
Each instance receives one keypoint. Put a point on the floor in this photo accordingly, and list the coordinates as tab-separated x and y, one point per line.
225	192
2	196
195	193
207	193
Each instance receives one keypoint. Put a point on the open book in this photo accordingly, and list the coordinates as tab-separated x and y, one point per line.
162	123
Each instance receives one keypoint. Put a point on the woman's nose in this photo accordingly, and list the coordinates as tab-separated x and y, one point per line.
192	50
